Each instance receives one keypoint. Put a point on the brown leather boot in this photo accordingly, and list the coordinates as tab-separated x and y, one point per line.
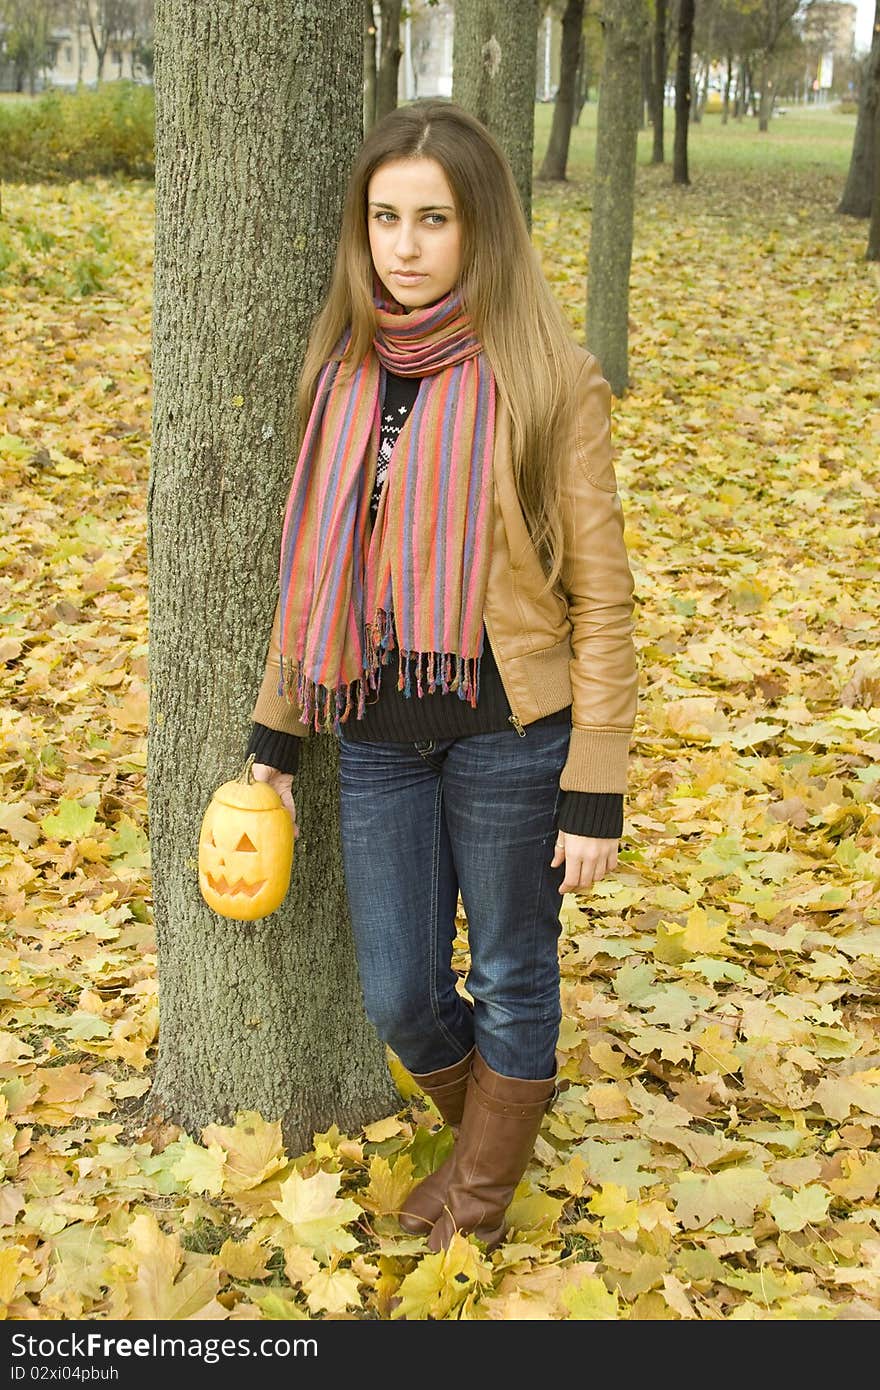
447	1089
502	1116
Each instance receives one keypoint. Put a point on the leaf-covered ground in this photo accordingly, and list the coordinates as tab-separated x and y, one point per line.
716	1153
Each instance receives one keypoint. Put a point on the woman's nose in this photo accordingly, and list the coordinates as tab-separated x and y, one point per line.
406	240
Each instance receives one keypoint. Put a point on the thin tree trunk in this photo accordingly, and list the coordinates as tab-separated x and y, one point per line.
581	81
494	64
766	95
660	60
725	110
624	23
857	194
696	110
683	91
646	102
556	158
389	58
268	1015
873	253
369	66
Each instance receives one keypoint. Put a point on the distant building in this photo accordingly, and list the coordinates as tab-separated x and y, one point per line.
828	29
73	61
426	66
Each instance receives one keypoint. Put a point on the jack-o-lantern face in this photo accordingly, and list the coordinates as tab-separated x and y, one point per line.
245	851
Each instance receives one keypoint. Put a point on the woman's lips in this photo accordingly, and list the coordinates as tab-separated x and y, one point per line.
404	275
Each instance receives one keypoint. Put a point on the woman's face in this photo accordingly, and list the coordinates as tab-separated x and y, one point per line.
413	226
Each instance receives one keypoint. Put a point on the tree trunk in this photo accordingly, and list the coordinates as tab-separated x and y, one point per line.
646	103
873	253
766	94
725	110
267	1015
696	112
369	66
611	233
581	81
683	91
556	158
660	60
494	65
856	200
389	58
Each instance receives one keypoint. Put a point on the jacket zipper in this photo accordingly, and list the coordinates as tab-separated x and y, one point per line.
511	718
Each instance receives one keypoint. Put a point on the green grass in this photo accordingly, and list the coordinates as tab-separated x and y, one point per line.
805	138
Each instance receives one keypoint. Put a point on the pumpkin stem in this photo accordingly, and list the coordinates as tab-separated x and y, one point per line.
246	774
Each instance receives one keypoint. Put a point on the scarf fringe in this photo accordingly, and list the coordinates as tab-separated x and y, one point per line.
326	710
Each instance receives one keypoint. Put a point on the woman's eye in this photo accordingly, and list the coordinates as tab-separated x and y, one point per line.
439	215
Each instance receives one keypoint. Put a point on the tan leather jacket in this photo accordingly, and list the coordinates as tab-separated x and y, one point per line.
556	650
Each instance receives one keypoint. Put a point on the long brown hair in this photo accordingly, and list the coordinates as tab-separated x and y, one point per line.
520	325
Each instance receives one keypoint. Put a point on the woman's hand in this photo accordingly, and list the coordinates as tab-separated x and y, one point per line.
586	859
282	782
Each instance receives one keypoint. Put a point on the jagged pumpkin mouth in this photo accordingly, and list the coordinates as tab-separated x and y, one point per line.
229	890
241	887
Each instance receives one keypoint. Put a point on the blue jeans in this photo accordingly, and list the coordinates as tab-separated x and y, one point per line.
422	822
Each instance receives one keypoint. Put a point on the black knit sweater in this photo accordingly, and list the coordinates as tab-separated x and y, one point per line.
396	718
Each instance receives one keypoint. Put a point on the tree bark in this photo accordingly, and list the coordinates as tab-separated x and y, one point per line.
258	118
581	81
556	157
725	112
683	91
766	96
624	23
660	61
873	253
646	103
857	194
494	64
390	55
369	66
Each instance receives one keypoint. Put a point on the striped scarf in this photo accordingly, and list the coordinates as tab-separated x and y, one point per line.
422	568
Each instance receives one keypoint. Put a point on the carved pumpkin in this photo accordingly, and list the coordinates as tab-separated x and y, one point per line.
245	849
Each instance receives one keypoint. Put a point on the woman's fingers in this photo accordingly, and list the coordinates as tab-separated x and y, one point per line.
586	860
282	783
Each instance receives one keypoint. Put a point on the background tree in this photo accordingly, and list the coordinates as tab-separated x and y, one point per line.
260	107
874	229
683	91
370	59
658	74
624	23
774	19
107	21
556	158
390	54
27	29
860	182
494	63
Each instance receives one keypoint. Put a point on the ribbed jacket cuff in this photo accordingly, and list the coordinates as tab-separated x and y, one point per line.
598	760
599	814
274	748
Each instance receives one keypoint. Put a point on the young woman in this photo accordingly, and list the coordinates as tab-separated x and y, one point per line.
455	606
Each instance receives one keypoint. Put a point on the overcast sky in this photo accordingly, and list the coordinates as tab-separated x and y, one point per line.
864	20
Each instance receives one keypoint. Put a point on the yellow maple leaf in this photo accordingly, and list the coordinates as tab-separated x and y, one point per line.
244	1259
388	1186
617	1213
253	1146
715	1052
199	1168
332	1291
160	1288
316	1216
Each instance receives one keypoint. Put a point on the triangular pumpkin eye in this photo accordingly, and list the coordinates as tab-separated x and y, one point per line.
210	839
245	844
